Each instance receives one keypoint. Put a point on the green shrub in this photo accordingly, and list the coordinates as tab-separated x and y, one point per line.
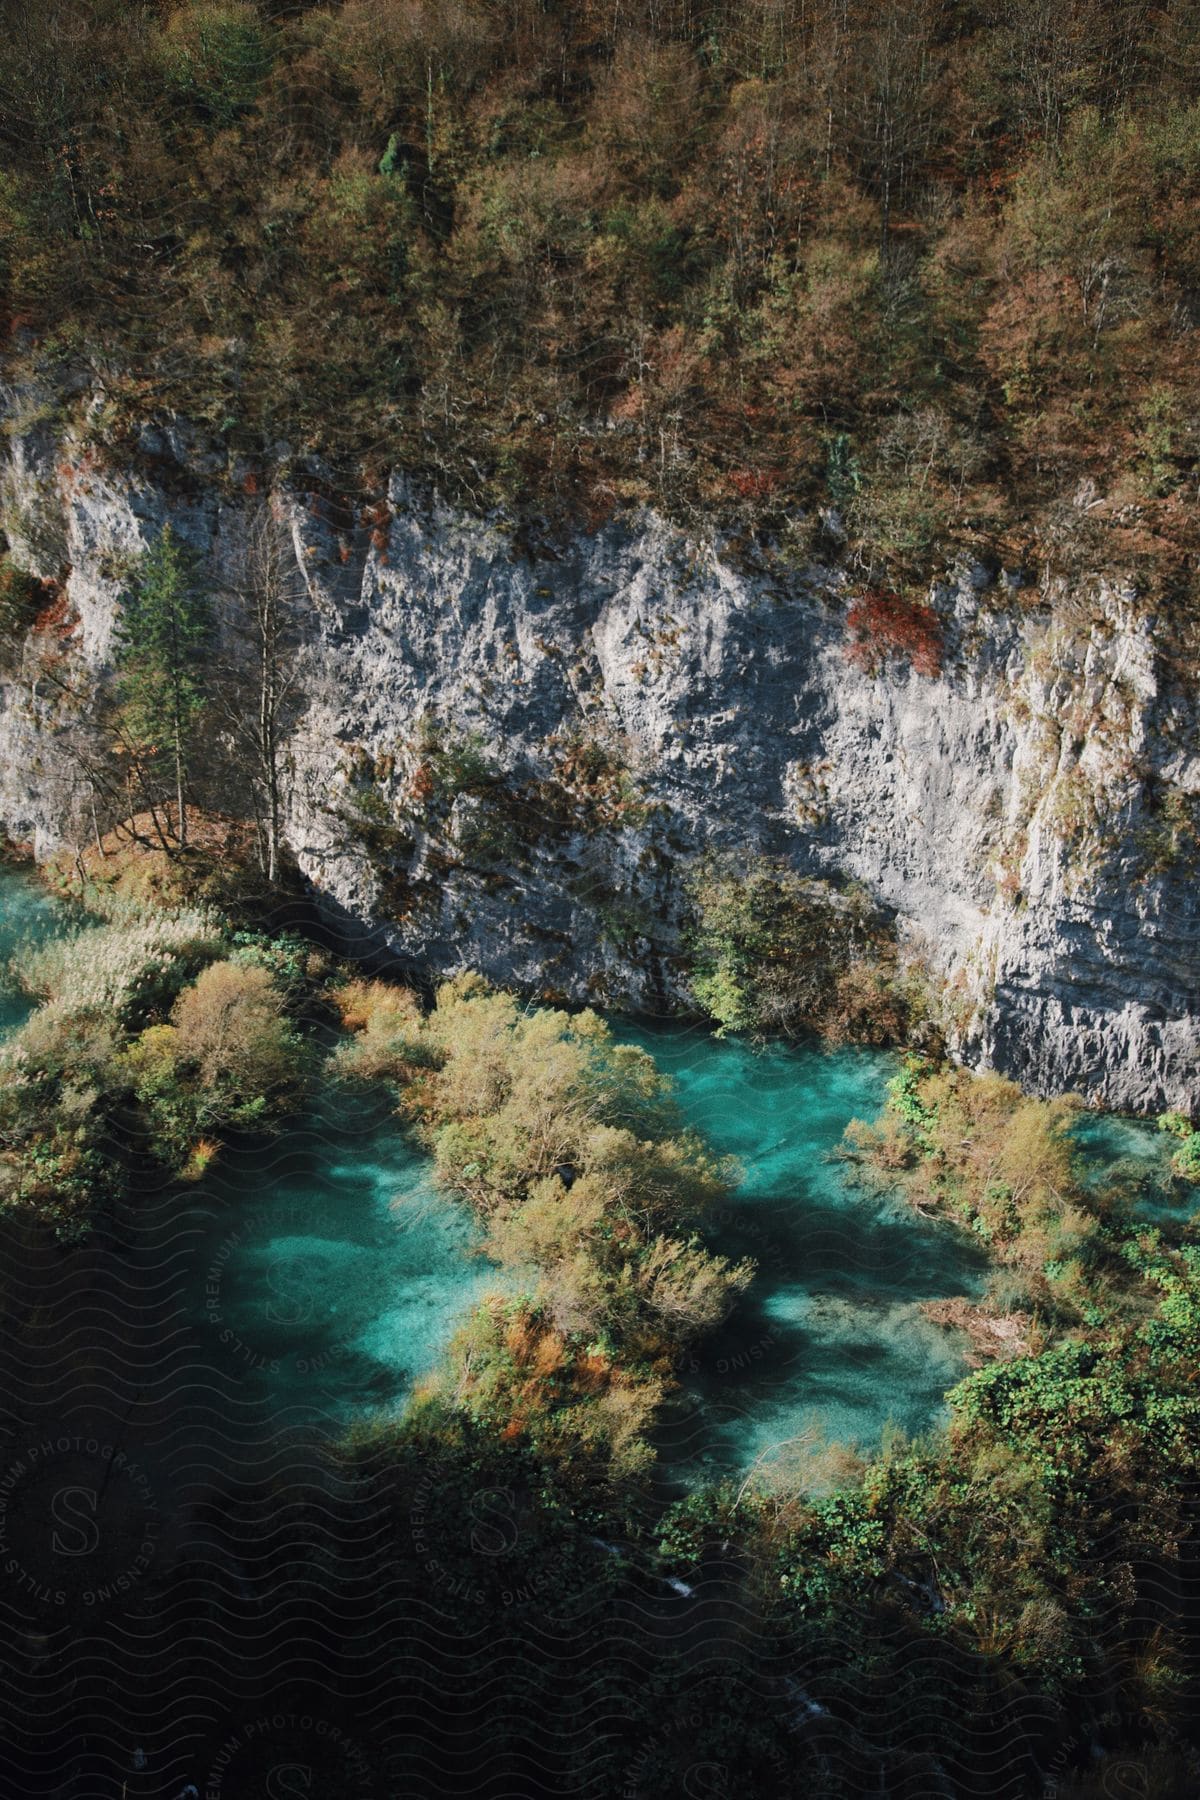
216	55
228	1058
60	1079
572	1151
1187	1156
143	1042
999	1161
773	953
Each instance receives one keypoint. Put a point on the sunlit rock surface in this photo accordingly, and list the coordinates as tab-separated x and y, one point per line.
1019	813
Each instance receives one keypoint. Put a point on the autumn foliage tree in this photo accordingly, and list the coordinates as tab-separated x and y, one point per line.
569	259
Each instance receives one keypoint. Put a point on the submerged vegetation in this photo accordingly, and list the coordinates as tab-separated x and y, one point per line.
883	283
1022	1558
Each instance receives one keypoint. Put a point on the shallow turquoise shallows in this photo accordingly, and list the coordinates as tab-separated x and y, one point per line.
829	1346
327	1274
1133	1158
28	916
334	1271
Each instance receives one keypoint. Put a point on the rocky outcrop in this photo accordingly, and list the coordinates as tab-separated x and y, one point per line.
509	759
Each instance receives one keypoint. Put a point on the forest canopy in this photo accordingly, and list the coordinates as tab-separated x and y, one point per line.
916	275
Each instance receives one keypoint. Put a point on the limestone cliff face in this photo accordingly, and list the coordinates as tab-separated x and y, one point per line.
510	762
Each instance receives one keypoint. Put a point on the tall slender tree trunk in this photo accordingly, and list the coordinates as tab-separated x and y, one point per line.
267	746
260	614
180	805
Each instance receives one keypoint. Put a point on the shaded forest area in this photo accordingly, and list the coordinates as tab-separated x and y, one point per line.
888	277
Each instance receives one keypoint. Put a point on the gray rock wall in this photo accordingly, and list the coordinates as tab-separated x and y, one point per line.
1025	813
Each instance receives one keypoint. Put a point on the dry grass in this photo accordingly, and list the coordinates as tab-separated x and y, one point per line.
135	861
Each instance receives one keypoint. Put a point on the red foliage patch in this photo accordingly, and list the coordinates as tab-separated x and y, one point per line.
882	625
755	484
55	616
379	516
70	474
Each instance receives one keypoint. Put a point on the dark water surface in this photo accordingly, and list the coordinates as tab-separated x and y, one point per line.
334	1271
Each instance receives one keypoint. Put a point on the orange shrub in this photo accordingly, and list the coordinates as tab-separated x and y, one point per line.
882	625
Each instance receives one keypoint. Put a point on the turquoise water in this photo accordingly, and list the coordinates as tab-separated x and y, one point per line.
328	1273
28	915
333	1271
1133	1158
829	1346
